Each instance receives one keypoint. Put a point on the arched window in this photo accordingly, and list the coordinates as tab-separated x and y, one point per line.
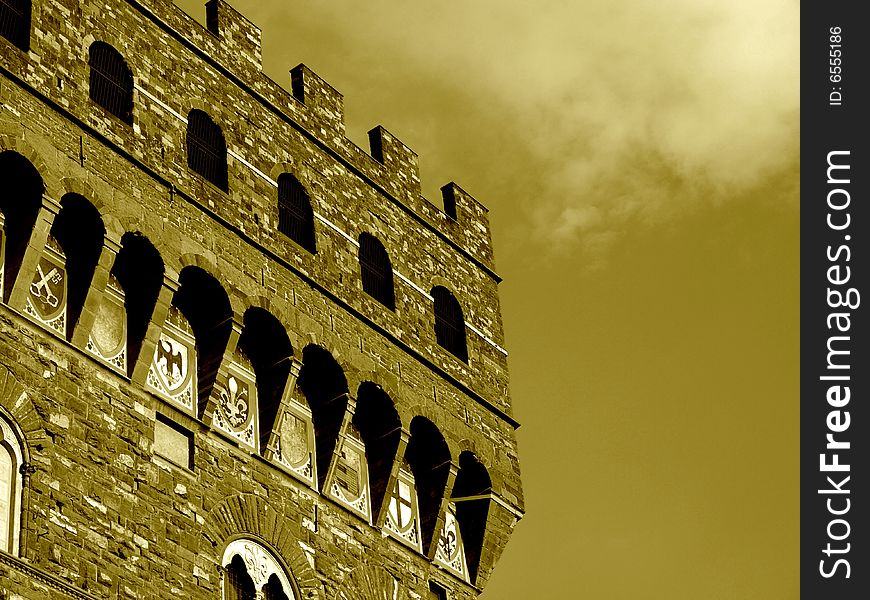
111	81
207	149
295	216
253	572
449	323
15	22
11	460
376	271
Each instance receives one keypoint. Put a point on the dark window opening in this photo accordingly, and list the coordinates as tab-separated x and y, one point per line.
376	271
429	457
20	201
207	149
472	482
111	81
273	589
15	22
264	341
206	306
324	386
295	215
380	427
239	585
139	269
449	323
79	230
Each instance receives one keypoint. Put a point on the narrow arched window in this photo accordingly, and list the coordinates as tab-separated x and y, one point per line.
207	149
11	460
295	216
376	271
111	81
239	585
15	22
252	571
449	323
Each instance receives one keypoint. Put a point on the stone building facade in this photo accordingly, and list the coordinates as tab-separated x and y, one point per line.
239	355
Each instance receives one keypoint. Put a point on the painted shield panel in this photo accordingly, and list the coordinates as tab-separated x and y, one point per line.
172	374
108	337
236	410
46	300
451	552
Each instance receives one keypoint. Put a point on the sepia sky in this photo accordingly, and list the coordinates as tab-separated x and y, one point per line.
640	160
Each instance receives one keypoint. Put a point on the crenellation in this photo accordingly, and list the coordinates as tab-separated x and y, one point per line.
401	171
241	39
220	254
325	104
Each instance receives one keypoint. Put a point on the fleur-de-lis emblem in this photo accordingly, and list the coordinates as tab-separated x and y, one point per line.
234	402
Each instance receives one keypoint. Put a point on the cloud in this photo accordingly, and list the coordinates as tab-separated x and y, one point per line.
608	112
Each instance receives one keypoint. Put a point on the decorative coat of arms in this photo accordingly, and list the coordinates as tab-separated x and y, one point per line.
350	479
403	515
450	552
295	444
46	300
108	337
172	374
236	410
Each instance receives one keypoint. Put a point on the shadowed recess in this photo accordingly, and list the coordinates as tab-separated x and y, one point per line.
20	200
471	512
79	230
324	386
264	341
379	425
206	306
139	269
429	457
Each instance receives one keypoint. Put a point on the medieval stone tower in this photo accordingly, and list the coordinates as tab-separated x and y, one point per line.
240	357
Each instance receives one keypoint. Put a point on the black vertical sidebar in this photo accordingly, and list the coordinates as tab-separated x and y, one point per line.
835	330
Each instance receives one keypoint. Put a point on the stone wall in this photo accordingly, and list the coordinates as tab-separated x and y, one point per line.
102	514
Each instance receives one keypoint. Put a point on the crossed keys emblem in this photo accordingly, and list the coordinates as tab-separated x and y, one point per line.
41	289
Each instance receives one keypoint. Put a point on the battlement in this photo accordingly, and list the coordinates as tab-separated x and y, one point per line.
240	38
252	335
395	167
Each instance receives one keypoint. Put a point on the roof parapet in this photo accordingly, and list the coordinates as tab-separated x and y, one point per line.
241	40
400	164
324	101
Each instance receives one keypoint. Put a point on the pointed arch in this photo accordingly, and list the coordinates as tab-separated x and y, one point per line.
110	81
79	231
323	384
206	306
449	323
207	148
139	270
264	341
472	497
376	271
379	425
429	457
20	201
